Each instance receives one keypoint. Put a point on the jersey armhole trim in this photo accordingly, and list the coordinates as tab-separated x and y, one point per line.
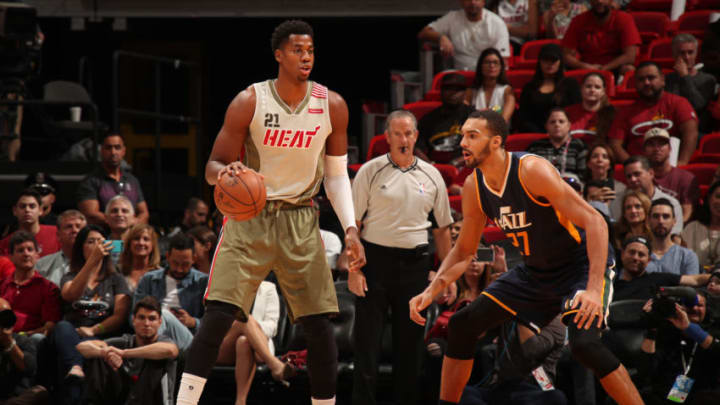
522	183
477	189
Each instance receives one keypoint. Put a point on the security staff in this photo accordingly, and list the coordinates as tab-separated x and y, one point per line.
397	197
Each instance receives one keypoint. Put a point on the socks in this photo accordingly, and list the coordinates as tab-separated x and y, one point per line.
330	401
191	388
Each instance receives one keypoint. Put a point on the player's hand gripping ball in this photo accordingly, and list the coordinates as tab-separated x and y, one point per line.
240	197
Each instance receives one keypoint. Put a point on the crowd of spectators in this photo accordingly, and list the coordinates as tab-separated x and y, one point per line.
113	300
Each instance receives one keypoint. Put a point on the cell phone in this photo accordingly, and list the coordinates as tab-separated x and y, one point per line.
485	255
175	309
116	246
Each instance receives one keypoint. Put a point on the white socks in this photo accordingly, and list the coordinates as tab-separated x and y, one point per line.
330	401
191	388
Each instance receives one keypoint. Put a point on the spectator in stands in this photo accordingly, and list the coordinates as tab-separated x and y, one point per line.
713	296
395	237
440	128
120	216
196	214
640	177
634	220
594	115
97	301
548	88
679	183
46	186
490	90
179	288
696	86
521	18
109	180
636	283
681	344
205	242
557	18
18	364
251	342
35	300
702	236
464	34
140	254
600	184
27	210
668	257
56	265
604	38
147	360
654	108
524	369
567	154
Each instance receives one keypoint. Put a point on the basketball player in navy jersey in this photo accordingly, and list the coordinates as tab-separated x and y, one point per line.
564	242
294	132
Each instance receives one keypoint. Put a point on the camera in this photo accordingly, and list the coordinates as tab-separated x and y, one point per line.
663	306
7	319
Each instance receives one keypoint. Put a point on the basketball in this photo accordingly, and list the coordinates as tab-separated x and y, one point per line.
240	197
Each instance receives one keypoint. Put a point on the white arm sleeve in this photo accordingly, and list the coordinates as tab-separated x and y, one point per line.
337	188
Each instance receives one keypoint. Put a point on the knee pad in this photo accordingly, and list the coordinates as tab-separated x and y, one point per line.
470	322
590	352
322	355
217	320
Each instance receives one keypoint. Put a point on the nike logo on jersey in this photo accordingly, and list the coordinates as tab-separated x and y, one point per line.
509	220
289	138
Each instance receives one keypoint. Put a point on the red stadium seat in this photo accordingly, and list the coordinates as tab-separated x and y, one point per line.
651	24
619	173
378	146
694	22
713	158
703	171
527	59
353	168
434	93
492	234
710	143
420	108
448	172
518	79
462	175
578	75
456	202
520	142
650	5
702	5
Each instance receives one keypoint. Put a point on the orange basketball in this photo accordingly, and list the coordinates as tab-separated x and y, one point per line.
240	197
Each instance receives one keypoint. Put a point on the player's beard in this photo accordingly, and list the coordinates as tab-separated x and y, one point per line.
475	161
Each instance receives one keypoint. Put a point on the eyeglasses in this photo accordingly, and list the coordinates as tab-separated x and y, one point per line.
491	63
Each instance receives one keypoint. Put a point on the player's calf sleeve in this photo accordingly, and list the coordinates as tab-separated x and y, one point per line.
470	322
322	355
587	348
215	324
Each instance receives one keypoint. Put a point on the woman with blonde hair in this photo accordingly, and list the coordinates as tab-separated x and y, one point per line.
140	253
634	220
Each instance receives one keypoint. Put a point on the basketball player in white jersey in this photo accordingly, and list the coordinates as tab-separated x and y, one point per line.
294	132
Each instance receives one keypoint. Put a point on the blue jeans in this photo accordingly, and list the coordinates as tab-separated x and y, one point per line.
66	338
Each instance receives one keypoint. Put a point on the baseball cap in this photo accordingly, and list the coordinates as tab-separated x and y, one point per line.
41	182
550	52
453	80
656	133
638	239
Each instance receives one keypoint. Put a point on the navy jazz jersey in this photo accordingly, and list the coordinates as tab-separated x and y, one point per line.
546	239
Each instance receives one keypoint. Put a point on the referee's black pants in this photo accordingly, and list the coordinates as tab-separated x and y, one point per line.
393	277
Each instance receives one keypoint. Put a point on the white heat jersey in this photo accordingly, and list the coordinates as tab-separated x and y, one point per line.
287	147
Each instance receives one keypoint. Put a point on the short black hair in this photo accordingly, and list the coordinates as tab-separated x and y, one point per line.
647	63
181	242
495	122
193	203
148	302
109	134
29	192
663	201
644	162
21	237
283	31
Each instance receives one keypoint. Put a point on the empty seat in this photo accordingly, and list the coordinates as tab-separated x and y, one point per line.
378	146
710	143
520	142
448	172
420	108
518	79
651	5
694	22
651	24
703	171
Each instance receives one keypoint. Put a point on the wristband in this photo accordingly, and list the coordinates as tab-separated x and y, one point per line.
696	333
12	345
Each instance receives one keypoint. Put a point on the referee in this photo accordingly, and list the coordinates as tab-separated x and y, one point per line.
397	197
